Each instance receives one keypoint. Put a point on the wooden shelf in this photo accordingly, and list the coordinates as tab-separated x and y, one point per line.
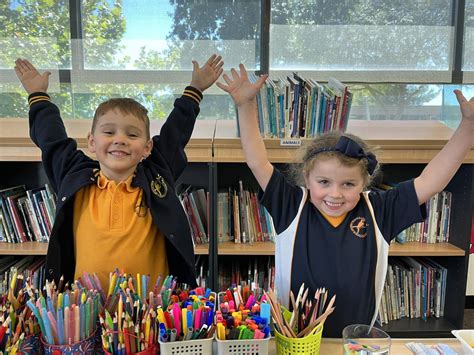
201	249
27	248
35	248
396	249
397	141
16	145
258	248
406	142
422	249
417	327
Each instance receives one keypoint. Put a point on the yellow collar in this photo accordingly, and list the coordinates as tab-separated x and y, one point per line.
103	182
334	221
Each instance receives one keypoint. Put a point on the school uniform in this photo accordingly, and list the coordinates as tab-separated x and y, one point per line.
349	260
69	170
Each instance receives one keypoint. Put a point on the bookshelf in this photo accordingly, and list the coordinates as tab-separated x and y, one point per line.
217	161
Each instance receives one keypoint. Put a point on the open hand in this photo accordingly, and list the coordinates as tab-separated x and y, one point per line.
467	107
30	78
205	76
239	87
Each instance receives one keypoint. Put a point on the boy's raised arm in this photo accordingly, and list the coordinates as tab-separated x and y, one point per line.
203	77
444	165
176	131
243	92
30	78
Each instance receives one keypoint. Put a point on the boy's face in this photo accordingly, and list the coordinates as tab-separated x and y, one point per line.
334	188
119	142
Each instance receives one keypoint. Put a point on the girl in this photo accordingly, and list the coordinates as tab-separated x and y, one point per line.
331	232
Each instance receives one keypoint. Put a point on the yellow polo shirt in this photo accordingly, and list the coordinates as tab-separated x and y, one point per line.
109	233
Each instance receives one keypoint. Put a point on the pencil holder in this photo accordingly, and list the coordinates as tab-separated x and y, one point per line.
86	346
31	346
243	346
195	347
309	344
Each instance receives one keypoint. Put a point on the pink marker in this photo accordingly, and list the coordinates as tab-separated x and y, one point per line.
197	319
250	302
258	334
177	318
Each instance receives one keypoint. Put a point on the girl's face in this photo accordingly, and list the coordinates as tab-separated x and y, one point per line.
334	188
119	142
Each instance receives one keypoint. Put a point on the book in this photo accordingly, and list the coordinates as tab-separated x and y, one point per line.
38	212
33	224
195	232
197	218
18	222
3	232
201	201
237	221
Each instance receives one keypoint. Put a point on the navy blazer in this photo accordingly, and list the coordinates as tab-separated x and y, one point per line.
69	169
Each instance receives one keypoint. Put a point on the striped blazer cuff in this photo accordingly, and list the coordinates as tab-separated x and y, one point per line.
37	97
193	93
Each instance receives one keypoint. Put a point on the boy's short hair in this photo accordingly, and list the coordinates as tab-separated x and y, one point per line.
125	105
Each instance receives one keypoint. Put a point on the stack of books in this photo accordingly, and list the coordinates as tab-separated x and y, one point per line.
241	217
29	269
297	107
414	288
26	215
196	205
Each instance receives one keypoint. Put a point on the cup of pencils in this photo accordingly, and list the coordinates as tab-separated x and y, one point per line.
300	331
128	320
19	328
67	318
363	339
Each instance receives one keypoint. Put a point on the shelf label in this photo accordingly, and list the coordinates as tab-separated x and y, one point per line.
290	142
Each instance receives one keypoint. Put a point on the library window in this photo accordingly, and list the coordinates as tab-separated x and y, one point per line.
374	36
399	58
468	62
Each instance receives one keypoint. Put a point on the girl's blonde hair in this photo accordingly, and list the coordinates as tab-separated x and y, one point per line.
326	147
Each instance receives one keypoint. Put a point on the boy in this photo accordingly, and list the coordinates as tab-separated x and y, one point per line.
121	210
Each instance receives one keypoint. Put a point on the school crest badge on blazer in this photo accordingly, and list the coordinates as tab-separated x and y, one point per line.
159	187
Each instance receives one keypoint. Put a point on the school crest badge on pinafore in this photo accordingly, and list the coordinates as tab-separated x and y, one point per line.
359	227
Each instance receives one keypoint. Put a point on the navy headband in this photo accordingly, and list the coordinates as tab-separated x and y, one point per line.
352	149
